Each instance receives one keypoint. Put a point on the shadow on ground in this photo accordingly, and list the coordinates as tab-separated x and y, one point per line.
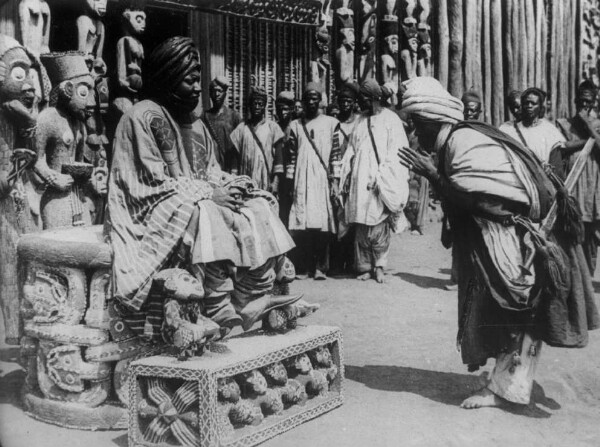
443	387
424	282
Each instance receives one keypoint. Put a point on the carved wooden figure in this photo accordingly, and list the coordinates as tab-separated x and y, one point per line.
410	47
60	142
17	138
367	40
424	52
130	55
91	34
388	61
344	55
34	20
320	67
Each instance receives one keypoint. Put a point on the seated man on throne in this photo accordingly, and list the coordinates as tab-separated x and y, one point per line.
170	206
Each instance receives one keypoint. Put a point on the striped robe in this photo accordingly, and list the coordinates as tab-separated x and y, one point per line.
159	214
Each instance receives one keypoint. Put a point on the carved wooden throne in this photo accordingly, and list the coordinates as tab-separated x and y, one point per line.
75	348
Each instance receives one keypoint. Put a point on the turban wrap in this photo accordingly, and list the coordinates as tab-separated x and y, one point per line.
371	89
471	96
534	91
349	90
285	97
313	87
220	81
169	64
425	98
257	92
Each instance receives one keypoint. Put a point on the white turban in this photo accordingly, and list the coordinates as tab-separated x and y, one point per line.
426	98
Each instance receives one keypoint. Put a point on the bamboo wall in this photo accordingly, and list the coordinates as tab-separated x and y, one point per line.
496	46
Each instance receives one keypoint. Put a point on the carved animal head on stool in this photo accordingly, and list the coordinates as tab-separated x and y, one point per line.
321	356
228	390
178	284
252	383
300	364
275	373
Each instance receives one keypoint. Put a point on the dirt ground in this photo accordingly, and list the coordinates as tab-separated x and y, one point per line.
404	377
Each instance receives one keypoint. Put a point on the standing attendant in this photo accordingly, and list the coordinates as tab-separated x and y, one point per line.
587	190
314	143
534	131
342	249
472	102
220	121
498	191
378	183
284	114
259	144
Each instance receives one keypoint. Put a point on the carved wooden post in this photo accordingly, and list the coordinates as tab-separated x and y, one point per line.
487	61
497	68
455	66
344	55
443	47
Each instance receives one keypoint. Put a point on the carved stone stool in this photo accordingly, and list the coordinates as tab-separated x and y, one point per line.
256	386
75	348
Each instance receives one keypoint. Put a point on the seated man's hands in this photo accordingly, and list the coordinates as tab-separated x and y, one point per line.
230	198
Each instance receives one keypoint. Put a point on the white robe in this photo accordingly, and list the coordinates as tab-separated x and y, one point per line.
376	189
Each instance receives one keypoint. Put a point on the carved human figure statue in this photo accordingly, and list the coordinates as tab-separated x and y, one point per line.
389	67
424	52
390	9
130	55
90	31
34	20
60	141
17	134
410	47
367	40
344	55
320	67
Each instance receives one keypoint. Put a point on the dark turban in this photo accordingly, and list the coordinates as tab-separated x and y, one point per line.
257	92
169	64
285	97
312	87
535	91
587	86
349	90
371	89
471	96
220	81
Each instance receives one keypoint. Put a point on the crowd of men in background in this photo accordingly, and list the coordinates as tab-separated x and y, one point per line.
341	190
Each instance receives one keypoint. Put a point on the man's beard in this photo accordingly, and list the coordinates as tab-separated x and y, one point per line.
183	105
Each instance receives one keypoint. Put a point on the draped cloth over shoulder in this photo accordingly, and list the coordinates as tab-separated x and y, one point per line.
160	215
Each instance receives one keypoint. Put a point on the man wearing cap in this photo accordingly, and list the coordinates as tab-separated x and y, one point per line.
513	104
342	249
472	102
375	182
495	191
587	190
162	213
284	114
259	144
220	121
314	143
534	131
61	138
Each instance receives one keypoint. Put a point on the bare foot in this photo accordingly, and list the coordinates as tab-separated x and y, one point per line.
364	276
482	398
319	275
379	275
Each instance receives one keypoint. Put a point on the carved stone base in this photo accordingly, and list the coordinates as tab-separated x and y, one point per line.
204	401
109	416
